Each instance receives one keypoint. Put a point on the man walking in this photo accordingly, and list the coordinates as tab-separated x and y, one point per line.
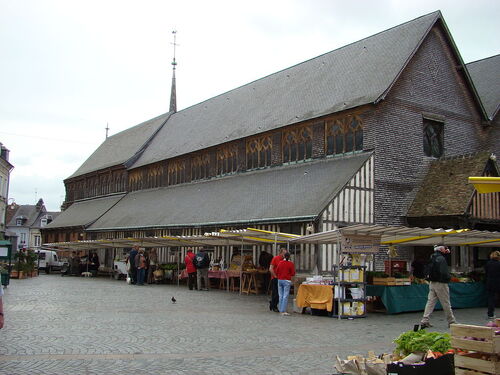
131	264
439	277
275	298
202	262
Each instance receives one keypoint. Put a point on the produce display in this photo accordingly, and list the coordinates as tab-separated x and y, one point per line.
421	342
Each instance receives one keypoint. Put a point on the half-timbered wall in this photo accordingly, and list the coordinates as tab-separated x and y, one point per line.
353	205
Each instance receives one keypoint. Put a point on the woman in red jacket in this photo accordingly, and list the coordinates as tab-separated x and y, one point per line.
285	270
190	269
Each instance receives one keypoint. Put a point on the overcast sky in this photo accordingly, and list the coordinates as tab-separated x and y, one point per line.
69	67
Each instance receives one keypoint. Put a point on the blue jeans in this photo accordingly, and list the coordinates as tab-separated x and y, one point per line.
140	276
283	291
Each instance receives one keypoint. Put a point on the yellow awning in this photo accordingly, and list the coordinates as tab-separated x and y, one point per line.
485	185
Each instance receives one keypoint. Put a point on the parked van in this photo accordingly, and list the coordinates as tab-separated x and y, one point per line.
49	261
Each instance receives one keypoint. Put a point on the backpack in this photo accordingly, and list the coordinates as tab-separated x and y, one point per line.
431	270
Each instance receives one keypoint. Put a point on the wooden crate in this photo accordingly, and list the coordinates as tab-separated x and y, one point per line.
384	281
460	331
468	363
403	281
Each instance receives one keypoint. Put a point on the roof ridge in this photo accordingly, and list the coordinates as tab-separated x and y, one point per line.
483	59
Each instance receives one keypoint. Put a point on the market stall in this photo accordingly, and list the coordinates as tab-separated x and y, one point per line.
397	294
244	276
397	299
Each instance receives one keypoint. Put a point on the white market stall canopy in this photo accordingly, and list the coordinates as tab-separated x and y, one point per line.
400	235
249	236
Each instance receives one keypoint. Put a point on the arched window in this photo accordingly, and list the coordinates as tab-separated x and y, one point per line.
259	151
297	143
200	166
176	172
344	135
227	159
433	138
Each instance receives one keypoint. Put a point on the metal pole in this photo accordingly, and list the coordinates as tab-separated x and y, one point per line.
241	267
178	268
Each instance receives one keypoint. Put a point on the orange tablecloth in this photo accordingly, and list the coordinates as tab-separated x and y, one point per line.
315	296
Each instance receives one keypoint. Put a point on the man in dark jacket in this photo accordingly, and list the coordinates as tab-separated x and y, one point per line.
202	262
131	260
492	269
439	277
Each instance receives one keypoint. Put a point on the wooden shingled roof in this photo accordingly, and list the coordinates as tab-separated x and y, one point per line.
445	189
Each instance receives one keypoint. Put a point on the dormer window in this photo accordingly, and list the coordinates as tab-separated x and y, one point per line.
19	221
45	220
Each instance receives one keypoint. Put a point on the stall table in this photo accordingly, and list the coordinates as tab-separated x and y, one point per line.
315	296
397	299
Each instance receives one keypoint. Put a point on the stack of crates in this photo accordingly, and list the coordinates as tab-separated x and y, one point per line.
483	351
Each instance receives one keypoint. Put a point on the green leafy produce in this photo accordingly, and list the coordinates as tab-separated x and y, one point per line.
421	341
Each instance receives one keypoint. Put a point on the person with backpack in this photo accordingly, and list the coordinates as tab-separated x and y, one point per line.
202	262
438	274
492	269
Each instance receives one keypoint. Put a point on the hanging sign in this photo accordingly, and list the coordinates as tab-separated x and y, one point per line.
360	244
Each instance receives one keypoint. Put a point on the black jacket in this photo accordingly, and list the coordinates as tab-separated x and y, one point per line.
439	268
492	269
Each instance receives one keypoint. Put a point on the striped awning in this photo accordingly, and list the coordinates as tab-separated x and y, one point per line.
249	236
412	236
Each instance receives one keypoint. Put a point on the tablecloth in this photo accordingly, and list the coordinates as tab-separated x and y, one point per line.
413	297
315	296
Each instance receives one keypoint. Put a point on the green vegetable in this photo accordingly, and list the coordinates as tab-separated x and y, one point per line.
421	341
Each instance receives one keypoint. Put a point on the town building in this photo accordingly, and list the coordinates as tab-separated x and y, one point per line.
5	169
26	222
347	137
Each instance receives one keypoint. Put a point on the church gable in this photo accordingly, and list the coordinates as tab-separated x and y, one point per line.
435	78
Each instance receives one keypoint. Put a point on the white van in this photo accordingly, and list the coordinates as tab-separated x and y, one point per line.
49	261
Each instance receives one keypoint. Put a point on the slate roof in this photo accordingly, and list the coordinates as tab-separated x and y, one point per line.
83	213
27	211
485	75
294	192
445	189
354	75
119	148
53	214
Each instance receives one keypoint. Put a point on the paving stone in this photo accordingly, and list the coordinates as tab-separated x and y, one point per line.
70	325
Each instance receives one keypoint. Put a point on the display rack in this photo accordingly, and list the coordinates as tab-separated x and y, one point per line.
346	305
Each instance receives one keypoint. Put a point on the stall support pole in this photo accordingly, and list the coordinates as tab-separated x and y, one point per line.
241	266
338	251
179	268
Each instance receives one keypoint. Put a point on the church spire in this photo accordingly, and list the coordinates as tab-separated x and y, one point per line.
173	94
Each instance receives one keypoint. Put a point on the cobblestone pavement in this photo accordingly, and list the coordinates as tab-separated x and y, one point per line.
70	325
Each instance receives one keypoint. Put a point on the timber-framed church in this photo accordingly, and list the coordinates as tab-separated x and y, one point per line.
385	130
